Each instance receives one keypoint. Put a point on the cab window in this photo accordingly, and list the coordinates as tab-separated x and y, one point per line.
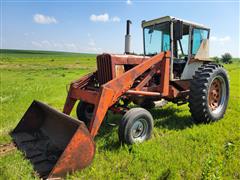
157	38
198	36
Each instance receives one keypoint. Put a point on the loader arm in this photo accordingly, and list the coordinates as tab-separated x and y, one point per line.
111	91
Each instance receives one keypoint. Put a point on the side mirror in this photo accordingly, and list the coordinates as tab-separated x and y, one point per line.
177	30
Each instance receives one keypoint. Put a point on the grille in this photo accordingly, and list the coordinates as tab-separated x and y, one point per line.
104	68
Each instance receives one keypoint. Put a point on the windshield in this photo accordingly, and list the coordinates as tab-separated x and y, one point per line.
156	38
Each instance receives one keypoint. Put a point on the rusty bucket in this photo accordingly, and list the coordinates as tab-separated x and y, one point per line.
55	143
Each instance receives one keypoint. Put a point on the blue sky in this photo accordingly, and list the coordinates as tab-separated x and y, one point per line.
97	26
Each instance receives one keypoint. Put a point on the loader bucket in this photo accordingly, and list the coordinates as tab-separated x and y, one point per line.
55	143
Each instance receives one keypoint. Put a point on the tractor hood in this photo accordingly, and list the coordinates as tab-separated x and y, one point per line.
128	59
110	66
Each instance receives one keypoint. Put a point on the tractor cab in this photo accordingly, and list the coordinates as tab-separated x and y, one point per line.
187	41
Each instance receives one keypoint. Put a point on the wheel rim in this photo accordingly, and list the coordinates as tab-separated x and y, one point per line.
88	111
217	94
139	130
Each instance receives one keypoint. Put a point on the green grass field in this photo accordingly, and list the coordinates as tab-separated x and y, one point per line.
178	149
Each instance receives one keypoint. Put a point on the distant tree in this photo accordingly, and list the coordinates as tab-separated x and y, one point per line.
226	58
216	59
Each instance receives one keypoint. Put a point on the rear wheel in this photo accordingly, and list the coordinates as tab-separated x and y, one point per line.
209	93
136	126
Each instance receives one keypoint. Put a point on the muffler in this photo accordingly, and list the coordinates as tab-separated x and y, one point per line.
55	143
128	38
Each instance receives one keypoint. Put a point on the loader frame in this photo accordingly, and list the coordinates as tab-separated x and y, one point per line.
108	94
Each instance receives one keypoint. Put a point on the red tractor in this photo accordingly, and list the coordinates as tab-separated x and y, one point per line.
175	67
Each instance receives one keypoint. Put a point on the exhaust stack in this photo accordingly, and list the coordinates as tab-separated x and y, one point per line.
128	38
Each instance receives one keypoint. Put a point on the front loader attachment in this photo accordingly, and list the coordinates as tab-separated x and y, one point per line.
55	143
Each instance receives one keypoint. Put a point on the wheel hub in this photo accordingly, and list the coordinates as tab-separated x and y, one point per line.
139	129
217	94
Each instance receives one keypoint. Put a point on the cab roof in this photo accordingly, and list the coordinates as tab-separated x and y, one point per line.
171	18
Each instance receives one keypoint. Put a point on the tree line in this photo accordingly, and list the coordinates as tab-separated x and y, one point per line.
226	58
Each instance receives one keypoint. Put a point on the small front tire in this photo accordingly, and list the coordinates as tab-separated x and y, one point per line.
136	126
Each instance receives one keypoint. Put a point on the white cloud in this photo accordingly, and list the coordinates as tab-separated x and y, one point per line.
220	39
92	47
51	45
103	18
224	39
219	45
67	46
46	43
91	42
37	44
129	2
213	38
116	19
57	45
71	47
43	19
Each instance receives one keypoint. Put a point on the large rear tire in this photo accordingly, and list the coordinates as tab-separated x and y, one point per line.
209	93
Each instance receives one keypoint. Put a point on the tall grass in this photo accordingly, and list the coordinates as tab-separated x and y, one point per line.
178	149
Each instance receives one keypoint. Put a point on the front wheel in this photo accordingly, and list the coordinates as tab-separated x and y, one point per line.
85	112
136	126
209	93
